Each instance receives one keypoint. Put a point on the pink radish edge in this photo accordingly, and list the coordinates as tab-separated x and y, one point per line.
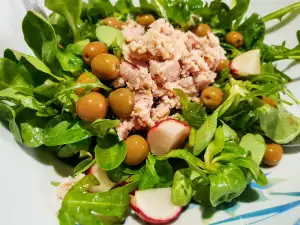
144	217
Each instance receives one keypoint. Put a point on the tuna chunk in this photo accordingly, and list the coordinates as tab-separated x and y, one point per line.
132	29
165	71
135	77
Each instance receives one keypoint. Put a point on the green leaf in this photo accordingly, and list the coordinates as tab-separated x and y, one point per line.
193	113
257	174
215	147
31	127
83	166
118	175
254	143
228	183
8	114
47	89
110	152
12	55
182	190
79	206
64	130
72	149
230	134
102	126
71	10
110	35
279	125
194	162
70	62
253	30
101	8
11	76
150	177
28	102
205	133
77	48
40	37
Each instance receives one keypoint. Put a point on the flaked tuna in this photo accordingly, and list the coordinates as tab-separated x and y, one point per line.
157	61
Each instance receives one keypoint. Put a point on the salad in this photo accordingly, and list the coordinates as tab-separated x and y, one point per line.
156	106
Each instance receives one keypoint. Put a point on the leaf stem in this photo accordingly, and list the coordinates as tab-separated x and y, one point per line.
281	12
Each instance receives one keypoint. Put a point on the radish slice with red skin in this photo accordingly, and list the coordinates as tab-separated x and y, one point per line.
247	63
105	183
167	135
155	205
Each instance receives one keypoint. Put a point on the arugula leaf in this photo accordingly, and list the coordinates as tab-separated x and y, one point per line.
254	143
72	149
80	206
64	130
110	152
102	126
281	12
227	184
71	10
279	125
193	113
253	29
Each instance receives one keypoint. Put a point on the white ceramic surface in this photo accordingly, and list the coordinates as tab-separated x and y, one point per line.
26	196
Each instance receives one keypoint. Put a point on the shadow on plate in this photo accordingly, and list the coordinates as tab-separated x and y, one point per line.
46	157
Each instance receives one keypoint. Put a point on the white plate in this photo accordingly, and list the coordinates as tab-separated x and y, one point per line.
26	196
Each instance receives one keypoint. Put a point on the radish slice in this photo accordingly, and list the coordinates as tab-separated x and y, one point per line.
155	206
247	63
167	135
105	183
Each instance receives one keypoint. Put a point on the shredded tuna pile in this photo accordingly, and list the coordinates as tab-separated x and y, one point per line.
159	60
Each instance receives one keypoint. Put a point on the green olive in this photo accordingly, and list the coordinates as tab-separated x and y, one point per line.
91	107
202	30
85	78
93	49
211	97
137	150
113	22
106	66
145	19
224	63
121	102
273	154
269	101
235	38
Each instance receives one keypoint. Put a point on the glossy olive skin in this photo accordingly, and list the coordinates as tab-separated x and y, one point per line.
269	101
121	102
85	78
137	150
273	154
224	63
106	66
113	22
145	19
93	49
235	38
91	107
202	30
211	97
